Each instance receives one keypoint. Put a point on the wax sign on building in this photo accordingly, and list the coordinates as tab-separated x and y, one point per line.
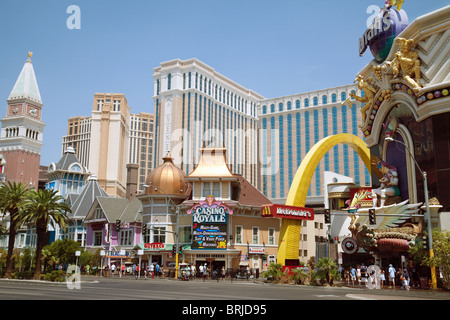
209	224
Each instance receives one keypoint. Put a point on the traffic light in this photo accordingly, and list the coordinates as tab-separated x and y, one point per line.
425	243
372	217
118	225
180	249
144	229
327	216
174	250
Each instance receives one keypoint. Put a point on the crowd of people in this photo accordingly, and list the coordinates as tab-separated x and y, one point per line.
389	278
151	271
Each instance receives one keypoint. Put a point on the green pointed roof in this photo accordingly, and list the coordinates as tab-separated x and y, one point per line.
26	85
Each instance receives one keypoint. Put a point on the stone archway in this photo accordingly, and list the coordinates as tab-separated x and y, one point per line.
289	240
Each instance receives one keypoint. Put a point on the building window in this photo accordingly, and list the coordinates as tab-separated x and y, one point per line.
185	234
238	234
126	237
306	102
211	188
343	96
255	235
333	98
315	101
324	99
98	214
98	238
116	106
169	81
159	234
271	236
99	105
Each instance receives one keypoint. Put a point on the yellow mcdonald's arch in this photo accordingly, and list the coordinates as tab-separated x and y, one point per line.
289	240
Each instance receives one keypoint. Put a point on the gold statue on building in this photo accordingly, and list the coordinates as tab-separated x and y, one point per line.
369	93
407	62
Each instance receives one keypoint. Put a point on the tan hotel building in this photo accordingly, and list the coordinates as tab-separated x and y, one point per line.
110	139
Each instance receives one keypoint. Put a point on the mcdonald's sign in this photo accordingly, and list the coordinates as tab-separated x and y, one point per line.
287	212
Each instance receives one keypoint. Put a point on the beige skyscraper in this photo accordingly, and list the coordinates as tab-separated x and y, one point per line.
111	138
109	141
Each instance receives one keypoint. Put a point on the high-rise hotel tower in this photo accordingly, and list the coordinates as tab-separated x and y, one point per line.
266	139
196	107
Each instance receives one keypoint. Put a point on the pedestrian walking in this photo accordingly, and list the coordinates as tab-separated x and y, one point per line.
113	268
353	275
205	272
391	273
152	270
382	278
358	274
405	279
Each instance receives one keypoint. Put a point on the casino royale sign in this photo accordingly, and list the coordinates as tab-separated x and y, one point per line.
287	212
209	224
209	211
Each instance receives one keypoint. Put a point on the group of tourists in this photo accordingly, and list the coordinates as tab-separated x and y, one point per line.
360	276
152	270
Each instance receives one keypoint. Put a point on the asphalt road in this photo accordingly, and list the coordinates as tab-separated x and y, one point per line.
127	288
174	299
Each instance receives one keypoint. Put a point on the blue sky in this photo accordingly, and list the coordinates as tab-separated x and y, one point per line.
275	48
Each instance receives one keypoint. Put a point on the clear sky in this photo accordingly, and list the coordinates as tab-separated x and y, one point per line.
275	48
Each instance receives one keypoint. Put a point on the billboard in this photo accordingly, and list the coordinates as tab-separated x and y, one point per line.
287	212
209	224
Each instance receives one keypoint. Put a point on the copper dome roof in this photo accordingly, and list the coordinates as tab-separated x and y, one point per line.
167	179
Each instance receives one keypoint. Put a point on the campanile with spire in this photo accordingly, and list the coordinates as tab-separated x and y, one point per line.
22	129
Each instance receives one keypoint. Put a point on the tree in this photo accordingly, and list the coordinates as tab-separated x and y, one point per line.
441	249
12	200
328	268
44	207
274	272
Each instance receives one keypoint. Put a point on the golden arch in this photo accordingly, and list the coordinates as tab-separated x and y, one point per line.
290	229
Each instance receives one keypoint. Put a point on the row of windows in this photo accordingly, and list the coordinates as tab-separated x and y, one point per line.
209	87
256	238
317	130
306	103
116	104
208	115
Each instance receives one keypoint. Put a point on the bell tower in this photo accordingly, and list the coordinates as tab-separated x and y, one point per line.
22	129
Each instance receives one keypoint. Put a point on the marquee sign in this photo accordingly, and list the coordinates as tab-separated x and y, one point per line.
287	212
380	35
209	222
154	245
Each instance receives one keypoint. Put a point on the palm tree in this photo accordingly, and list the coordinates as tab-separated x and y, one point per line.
12	197
327	267
41	208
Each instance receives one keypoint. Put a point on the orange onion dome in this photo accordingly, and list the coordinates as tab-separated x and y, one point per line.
167	179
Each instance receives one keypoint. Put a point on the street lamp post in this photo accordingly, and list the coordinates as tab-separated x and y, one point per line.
427	213
176	227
